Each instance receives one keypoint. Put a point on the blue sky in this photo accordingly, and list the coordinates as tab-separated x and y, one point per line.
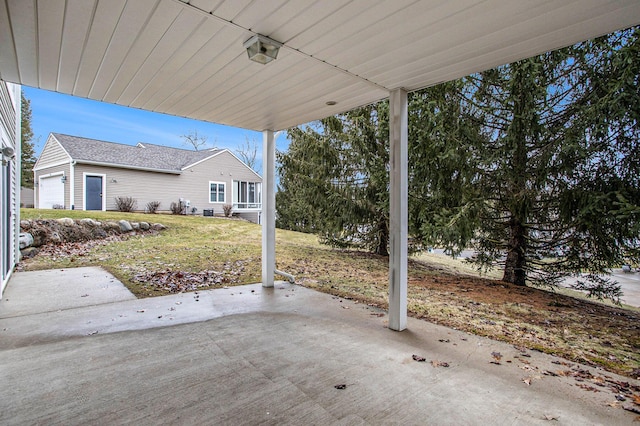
58	113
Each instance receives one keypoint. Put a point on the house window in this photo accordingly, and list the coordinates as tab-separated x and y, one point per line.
247	195
216	192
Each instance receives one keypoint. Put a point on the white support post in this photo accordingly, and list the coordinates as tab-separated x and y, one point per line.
268	208
399	211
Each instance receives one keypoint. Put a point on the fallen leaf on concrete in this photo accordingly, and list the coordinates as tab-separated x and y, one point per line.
497	356
636	399
85	295
418	358
91	333
341	386
527	381
549	417
437	363
614	404
140	310
444	340
632	409
587	387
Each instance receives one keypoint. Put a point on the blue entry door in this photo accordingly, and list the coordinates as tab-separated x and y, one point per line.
93	192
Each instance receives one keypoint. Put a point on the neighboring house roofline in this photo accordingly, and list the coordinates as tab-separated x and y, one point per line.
218	152
141	156
126	166
52	136
204	159
48	166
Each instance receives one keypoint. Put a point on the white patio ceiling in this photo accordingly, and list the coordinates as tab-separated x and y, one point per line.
186	57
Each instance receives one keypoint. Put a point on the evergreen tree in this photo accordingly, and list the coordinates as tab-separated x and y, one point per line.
533	164
28	159
554	189
334	180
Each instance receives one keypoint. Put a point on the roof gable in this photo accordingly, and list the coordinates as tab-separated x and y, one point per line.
52	153
141	156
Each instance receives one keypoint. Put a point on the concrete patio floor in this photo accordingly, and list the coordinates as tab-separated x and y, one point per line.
77	348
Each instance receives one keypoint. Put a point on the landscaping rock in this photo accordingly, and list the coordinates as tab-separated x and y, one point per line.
158	227
89	222
29	252
111	226
66	221
135	226
55	231
125	226
25	240
98	233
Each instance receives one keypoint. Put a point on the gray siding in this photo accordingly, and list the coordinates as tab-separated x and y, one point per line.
52	153
192	184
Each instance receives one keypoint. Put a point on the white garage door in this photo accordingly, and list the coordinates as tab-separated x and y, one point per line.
51	192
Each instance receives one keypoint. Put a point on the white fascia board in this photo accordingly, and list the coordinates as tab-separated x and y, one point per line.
218	153
124	166
48	166
204	159
49	139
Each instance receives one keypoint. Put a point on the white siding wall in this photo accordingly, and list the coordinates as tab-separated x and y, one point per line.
9	180
192	184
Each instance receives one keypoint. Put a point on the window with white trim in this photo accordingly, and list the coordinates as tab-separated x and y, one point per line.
247	195
216	192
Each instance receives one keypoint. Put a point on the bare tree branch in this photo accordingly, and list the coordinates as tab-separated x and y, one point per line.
248	152
193	139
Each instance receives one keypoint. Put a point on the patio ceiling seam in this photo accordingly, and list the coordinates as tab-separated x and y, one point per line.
288	48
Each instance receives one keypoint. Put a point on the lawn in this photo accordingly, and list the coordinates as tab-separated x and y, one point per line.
222	252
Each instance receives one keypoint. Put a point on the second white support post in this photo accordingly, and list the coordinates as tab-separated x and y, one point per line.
268	208
398	209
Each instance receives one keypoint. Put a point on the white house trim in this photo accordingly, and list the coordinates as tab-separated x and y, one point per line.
48	175
48	166
225	192
72	184
268	209
84	189
204	159
51	137
124	166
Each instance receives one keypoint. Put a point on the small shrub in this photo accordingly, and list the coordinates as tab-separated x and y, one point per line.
177	208
153	206
227	210
126	204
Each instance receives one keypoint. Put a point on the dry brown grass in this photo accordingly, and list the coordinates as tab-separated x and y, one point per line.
440	290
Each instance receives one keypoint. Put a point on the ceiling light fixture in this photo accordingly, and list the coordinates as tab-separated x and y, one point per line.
262	49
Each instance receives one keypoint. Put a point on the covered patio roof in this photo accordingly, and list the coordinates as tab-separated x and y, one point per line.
185	57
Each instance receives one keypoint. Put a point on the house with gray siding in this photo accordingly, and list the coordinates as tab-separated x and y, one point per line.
9	180
87	174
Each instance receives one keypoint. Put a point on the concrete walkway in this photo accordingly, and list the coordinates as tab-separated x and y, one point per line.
77	348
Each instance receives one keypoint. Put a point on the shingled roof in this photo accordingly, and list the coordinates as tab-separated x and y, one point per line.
141	156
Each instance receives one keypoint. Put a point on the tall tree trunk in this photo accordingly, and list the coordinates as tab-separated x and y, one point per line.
514	268
383	237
